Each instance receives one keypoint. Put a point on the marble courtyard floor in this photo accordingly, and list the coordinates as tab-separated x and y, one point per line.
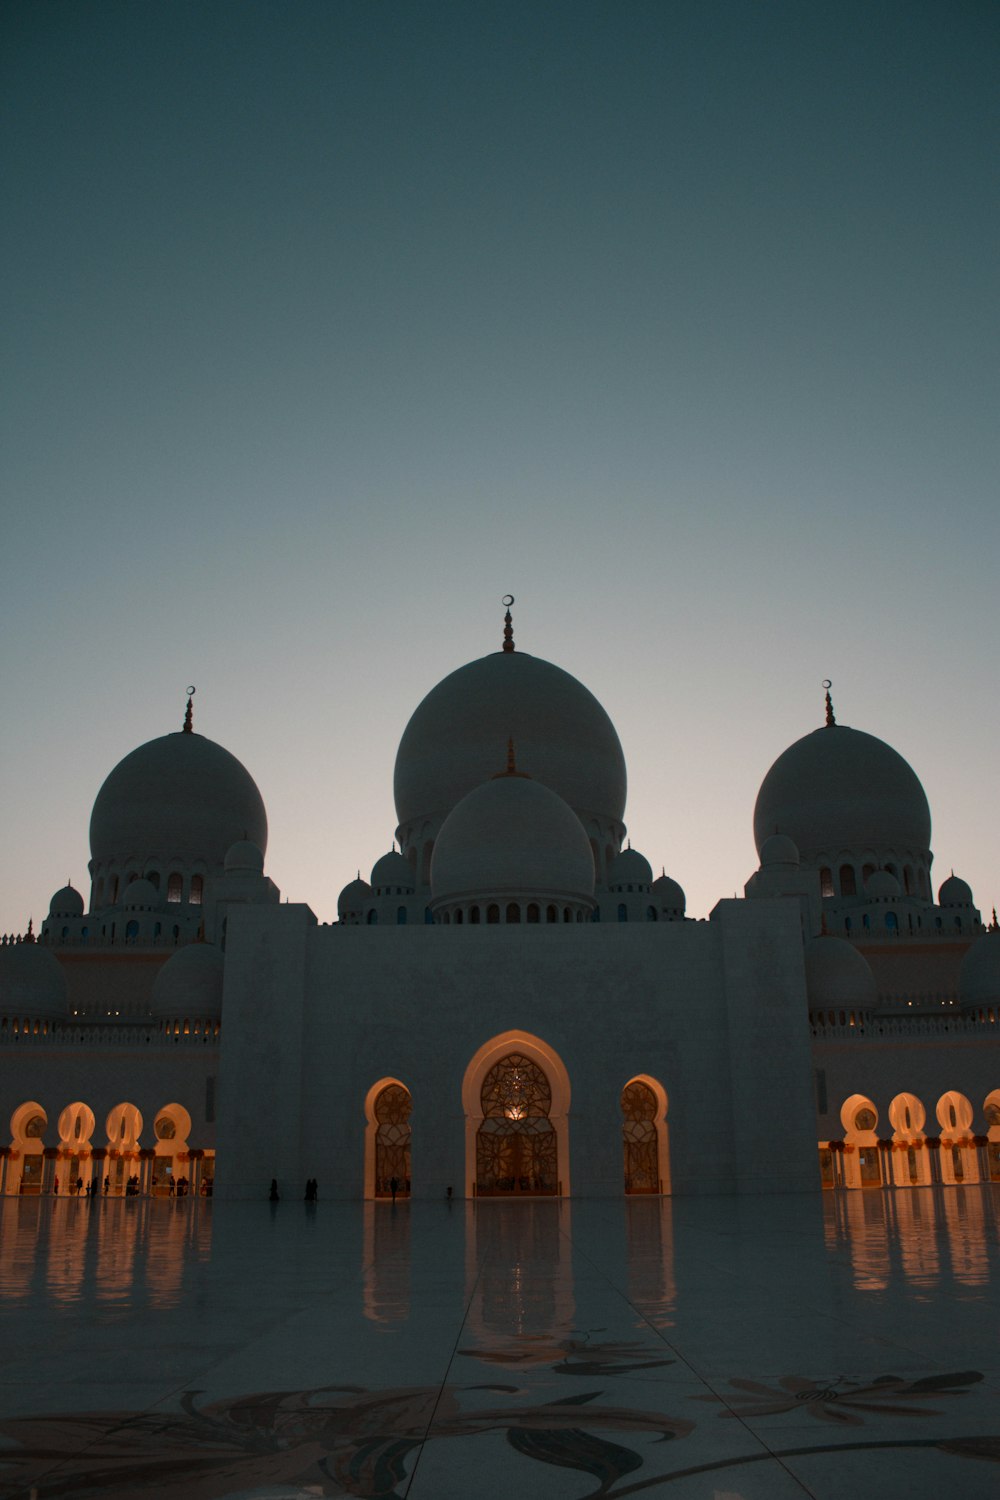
722	1348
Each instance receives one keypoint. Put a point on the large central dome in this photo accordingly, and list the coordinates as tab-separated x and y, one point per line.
457	737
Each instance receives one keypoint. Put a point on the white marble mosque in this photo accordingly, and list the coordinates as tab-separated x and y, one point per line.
511	1006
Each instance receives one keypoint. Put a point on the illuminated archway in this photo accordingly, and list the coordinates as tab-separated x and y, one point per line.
958	1156
124	1127
991	1109
171	1170
862	1167
76	1126
911	1165
516	1096
26	1162
388	1139
645	1137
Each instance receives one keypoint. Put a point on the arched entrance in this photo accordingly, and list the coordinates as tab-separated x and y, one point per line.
387	1140
516	1097
644	1137
516	1153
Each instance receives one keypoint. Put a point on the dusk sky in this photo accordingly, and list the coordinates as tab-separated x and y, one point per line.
328	324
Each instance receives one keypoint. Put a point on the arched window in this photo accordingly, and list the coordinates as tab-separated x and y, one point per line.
848	881
891	921
175	886
153	876
131	932
372	919
826	882
99	894
197	890
622	912
639	1106
532	911
551	915
113	890
473	913
650	913
847	924
867	873
400	916
866	922
908	879
393	1134
516	1142
567	914
459	918
513	912
493	913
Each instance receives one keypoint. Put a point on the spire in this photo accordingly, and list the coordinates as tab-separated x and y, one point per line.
508	624
29	936
189	713
511	767
830	720
995	925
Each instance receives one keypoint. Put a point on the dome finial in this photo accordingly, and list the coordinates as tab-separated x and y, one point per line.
830	720
508	624
29	936
511	767
189	713
995	925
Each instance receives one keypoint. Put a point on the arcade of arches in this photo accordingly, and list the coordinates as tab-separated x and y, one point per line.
75	1159
906	1155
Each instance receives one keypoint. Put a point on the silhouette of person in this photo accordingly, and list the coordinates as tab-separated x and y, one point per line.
394	1187
273	1195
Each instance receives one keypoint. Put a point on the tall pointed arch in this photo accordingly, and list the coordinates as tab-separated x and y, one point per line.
525	1068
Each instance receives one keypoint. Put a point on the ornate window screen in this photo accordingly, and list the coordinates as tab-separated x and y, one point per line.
639	1107
393	1106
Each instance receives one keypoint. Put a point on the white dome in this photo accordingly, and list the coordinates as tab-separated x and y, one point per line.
244	857
67	902
512	837
630	868
669	894
882	886
955	892
837	976
979	976
190	984
563	736
353	897
32	983
841	789
778	851
141	894
392	873
179	797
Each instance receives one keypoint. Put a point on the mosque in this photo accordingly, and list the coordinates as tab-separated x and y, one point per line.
511	1005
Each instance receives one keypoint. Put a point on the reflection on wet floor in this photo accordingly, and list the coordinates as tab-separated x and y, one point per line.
199	1350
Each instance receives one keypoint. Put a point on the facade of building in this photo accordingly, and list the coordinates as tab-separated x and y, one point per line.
512	1005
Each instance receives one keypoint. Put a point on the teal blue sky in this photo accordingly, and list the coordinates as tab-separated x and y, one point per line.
325	325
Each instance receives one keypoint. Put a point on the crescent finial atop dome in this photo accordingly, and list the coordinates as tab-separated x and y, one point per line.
508	624
831	722
189	712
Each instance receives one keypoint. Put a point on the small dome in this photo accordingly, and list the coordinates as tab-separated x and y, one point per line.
881	886
353	897
839	788
66	902
837	976
392	872
179	797
669	895
32	983
564	739
512	836
955	892
190	984
979	976
142	894
630	868
244	857
778	851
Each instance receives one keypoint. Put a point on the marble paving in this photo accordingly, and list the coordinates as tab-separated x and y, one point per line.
724	1349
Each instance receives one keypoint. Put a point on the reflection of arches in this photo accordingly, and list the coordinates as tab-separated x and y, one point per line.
862	1168
958	1151
25	1171
911	1165
518	1084
388	1135
644	1136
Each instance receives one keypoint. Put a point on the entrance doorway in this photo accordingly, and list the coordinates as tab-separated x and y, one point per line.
516	1152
